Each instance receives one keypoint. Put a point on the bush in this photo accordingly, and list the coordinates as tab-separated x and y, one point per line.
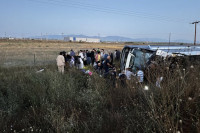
75	102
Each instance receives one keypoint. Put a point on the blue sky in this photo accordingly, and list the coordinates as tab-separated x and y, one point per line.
128	18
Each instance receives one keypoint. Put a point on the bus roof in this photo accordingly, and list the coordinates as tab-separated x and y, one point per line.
171	49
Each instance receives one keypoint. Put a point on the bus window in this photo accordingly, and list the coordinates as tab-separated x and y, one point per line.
139	60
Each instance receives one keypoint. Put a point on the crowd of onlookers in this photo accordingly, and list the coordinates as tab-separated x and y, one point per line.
101	60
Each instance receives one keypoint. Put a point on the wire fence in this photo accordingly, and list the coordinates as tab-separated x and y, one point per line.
27	59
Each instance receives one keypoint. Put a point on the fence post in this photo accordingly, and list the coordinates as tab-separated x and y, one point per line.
34	59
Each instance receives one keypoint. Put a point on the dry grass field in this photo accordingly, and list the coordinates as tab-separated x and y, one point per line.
19	52
75	102
40	52
29	52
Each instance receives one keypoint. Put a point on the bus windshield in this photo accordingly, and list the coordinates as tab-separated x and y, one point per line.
139	59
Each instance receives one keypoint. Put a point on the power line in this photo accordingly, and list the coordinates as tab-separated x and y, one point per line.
120	10
109	10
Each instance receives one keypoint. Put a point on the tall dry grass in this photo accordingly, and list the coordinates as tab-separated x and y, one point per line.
75	102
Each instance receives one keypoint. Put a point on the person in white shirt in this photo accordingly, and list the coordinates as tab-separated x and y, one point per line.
60	63
72	61
158	81
140	76
128	74
81	65
102	53
81	54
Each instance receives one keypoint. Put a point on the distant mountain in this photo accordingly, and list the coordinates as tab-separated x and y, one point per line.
185	41
109	38
150	40
115	39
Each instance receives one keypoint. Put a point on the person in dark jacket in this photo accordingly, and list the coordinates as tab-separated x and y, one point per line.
99	68
92	56
107	65
111	58
118	55
88	55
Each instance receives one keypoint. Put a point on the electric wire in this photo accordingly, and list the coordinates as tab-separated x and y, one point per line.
110	10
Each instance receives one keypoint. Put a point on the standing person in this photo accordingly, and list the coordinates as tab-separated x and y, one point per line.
72	53
111	58
88	54
99	68
81	65
118	55
107	65
72	61
98	57
85	57
68	57
114	55
76	61
105	55
102	53
81	54
140	75
129	74
92	57
60	63
158	81
65	55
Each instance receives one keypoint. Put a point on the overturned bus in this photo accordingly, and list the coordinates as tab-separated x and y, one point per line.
140	57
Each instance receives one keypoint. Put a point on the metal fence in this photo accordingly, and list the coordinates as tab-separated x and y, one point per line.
27	59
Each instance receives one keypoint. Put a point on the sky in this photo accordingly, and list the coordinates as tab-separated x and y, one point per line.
127	18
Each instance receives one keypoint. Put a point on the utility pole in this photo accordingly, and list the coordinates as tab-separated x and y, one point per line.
41	36
62	35
169	38
46	37
195	32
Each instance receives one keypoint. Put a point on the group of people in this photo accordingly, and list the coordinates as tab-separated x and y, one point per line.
101	60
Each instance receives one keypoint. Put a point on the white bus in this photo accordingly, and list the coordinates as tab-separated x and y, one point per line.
140	56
